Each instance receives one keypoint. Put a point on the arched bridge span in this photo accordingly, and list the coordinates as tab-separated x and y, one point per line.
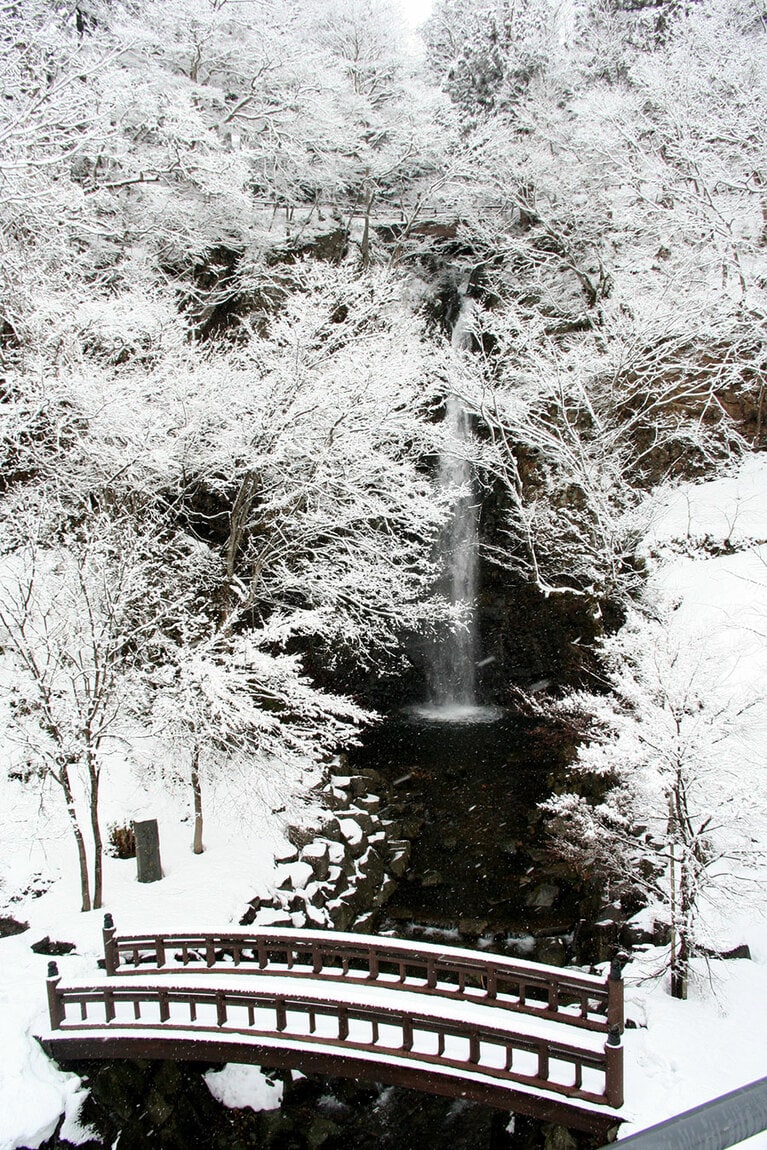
521	1036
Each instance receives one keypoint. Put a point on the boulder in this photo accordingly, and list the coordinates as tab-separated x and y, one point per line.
317	855
286	854
294	876
542	896
342	914
338	852
9	926
398	856
364	820
369	803
353	836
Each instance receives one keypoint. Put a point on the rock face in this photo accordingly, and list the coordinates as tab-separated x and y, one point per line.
341	876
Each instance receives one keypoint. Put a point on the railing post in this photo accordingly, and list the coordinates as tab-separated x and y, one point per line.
543	1061
407	1032
372	963
159	949
316	958
281	1013
109	1004
615	995
162	999
474	1047
220	1007
55	1005
614	1068
111	952
343	1023
491	987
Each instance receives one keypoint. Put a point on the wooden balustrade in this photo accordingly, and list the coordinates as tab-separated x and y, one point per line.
529	988
488	1047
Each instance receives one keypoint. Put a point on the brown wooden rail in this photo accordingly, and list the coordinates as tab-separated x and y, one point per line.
524	987
487	1047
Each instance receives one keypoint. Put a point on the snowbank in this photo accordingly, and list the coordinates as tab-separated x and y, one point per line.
708	550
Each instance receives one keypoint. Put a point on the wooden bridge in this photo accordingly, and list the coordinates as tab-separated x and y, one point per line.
534	1039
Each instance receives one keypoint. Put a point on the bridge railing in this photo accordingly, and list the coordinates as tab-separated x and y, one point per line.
581	1000
502	1055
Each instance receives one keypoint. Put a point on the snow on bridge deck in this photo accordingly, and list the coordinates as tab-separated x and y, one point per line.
547	1058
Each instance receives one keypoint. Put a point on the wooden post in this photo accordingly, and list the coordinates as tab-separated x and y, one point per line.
109	1004
614	1068
111	951
615	995
543	1061
281	1013
491	988
55	1005
220	1007
343	1023
407	1032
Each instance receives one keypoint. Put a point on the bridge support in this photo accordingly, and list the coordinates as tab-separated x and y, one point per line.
564	1113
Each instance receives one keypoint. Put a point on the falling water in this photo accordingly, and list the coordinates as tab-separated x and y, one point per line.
452	661
452	677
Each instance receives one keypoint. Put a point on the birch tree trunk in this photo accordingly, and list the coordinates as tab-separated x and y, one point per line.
197	846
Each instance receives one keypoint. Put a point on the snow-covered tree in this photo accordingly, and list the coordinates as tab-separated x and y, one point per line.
225	703
77	612
668	750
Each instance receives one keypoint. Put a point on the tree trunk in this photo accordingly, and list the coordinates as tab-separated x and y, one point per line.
365	244
82	858
680	965
197	846
98	853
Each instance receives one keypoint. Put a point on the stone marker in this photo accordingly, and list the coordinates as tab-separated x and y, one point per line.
148	851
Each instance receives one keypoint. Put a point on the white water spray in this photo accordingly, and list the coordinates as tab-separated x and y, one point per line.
453	661
452	678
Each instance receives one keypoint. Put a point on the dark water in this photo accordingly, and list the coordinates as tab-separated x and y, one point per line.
480	876
480	872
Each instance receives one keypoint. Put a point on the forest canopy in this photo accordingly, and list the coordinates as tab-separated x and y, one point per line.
235	239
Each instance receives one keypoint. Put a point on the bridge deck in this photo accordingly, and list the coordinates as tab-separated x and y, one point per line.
524	987
277	1006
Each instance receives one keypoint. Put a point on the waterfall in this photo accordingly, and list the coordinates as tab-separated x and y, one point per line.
452	661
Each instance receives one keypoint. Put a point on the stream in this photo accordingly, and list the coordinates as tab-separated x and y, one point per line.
479	872
479	876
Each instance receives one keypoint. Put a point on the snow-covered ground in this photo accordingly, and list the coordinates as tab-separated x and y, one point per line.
685	1053
207	892
680	1053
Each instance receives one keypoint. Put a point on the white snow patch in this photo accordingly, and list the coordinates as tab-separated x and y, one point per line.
239	1087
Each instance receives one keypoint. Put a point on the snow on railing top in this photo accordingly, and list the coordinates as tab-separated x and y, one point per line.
524	987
